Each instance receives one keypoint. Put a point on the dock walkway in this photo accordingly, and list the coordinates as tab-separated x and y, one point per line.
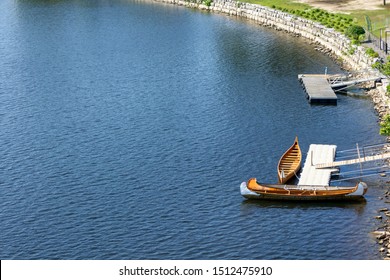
318	89
317	154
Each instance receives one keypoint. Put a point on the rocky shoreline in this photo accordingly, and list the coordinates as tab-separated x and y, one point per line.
329	42
382	234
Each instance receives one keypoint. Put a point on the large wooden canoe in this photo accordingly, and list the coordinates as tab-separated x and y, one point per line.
290	163
252	189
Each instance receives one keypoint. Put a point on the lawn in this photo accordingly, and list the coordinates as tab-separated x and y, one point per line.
337	18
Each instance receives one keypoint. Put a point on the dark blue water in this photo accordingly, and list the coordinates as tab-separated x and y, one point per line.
126	128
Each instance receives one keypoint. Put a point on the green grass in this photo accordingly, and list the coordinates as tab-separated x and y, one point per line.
339	21
279	3
379	18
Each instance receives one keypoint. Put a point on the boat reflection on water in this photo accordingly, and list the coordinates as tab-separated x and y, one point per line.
304	204
248	205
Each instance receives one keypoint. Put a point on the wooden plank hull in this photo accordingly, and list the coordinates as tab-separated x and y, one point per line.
290	163
252	189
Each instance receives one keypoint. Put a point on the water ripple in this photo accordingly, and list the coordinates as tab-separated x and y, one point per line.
128	139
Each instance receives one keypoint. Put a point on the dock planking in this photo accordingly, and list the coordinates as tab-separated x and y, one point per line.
318	154
318	89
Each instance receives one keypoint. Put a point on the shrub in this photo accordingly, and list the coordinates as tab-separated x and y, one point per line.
385	126
371	53
351	50
361	38
355	42
377	65
207	2
383	67
354	31
386	69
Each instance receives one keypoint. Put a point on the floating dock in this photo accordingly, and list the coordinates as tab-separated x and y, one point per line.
314	181
318	89
318	154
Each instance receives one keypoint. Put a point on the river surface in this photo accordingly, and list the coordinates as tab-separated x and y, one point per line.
126	128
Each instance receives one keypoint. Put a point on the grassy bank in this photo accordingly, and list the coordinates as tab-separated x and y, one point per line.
338	20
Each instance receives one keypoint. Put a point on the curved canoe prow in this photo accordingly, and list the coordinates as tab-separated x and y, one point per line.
245	192
360	190
252	182
290	163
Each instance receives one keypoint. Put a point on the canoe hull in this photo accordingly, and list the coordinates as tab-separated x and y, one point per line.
306	193
290	163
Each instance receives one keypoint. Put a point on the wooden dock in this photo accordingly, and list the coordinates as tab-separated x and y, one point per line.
318	89
318	154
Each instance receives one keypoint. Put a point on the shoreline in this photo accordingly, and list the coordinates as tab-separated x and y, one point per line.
329	42
326	40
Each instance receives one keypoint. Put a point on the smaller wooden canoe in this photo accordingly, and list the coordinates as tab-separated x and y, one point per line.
290	163
253	189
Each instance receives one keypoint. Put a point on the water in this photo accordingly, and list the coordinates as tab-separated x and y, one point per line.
126	128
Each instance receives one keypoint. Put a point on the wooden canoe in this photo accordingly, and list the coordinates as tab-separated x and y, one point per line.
252	189
290	163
